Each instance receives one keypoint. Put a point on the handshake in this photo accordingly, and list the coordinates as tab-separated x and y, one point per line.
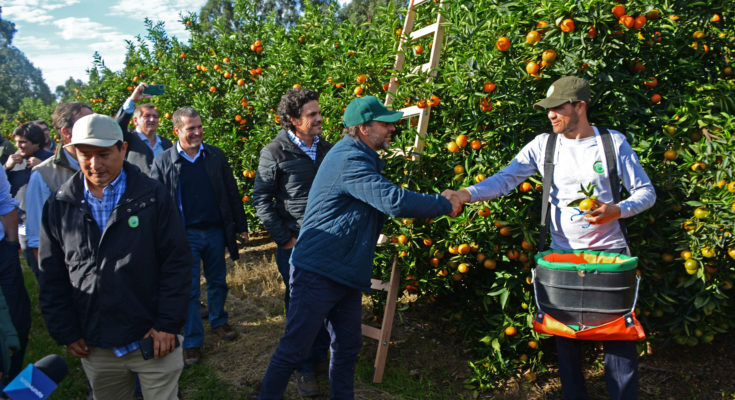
457	198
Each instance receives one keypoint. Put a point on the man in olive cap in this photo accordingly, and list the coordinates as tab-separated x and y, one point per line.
345	211
579	158
114	268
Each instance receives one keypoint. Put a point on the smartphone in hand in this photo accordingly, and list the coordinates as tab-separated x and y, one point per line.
154	90
146	346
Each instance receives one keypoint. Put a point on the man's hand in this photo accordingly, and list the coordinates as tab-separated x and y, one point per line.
457	198
78	348
13	160
290	244
32	162
602	213
138	95
163	342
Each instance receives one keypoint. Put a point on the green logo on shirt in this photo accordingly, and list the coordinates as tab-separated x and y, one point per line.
597	166
133	221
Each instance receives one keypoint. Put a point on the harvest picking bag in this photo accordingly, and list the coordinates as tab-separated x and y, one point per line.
585	294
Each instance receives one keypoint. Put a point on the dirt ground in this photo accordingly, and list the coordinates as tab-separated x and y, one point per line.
434	356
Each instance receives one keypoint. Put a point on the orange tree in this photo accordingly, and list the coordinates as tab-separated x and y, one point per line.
661	73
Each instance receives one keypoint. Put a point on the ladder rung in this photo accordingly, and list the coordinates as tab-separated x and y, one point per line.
377	284
411	111
371	332
423	68
419	2
425	31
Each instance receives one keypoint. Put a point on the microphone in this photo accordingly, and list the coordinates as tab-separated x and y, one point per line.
37	381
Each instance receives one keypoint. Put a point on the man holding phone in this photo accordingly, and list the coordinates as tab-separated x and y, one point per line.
108	303
144	144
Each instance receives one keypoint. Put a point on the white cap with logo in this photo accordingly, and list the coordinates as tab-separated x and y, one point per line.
96	130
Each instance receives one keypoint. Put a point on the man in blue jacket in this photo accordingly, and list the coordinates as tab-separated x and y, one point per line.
347	205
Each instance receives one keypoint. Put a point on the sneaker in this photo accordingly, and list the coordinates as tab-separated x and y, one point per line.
225	332
192	356
307	385
203	312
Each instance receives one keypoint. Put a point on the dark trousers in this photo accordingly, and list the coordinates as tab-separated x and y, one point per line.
621	369
19	304
321	343
621	365
315	298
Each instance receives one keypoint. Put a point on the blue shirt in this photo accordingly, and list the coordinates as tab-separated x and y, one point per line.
157	148
36	194
309	150
101	209
7	202
182	153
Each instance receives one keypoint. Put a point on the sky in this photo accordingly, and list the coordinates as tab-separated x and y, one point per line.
60	36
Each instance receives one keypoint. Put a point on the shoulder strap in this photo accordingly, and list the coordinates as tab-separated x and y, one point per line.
612	165
548	179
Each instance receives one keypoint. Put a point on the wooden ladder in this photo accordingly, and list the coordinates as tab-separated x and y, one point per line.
382	334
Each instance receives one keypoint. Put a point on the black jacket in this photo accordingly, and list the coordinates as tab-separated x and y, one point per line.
111	287
282	185
167	169
139	154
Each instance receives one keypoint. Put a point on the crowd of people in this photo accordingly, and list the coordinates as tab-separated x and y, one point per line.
118	225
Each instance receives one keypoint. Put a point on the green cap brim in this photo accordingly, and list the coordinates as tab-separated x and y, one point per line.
390	116
550	103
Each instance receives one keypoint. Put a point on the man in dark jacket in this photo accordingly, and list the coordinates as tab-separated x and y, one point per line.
287	167
201	183
347	205
114	268
144	144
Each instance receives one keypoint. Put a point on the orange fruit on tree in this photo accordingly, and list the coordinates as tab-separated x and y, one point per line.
533	37
526	187
656	98
434	262
527	245
418	49
490	263
627	21
715	18
476	144
567	25
361	78
463	248
698	166
428	241
511	330
533	344
452	147
458	169
461	140
402	239
532	68
652	82
358	91
506	231
434	101
548	56
462	268
240	82
731	252
731	187
212	89
592	32
479	178
488	87
698	35
707	252
639	21
542	26
618	10
484	212
421	103
670	154
502	44
452	249
685	254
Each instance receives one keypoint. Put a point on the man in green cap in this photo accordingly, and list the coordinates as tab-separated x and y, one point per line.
332	262
578	157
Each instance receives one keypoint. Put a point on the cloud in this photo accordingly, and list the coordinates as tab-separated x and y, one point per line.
33	11
33	43
58	68
167	11
73	28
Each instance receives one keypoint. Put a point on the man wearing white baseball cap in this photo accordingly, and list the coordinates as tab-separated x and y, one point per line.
114	268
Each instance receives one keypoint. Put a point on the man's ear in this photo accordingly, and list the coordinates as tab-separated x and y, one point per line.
66	133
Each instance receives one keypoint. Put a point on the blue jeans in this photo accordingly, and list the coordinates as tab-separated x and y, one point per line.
207	249
621	365
321	343
315	298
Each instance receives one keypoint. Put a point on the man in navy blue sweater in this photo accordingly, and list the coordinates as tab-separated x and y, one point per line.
347	205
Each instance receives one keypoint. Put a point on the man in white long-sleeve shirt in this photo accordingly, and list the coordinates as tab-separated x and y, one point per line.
579	158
